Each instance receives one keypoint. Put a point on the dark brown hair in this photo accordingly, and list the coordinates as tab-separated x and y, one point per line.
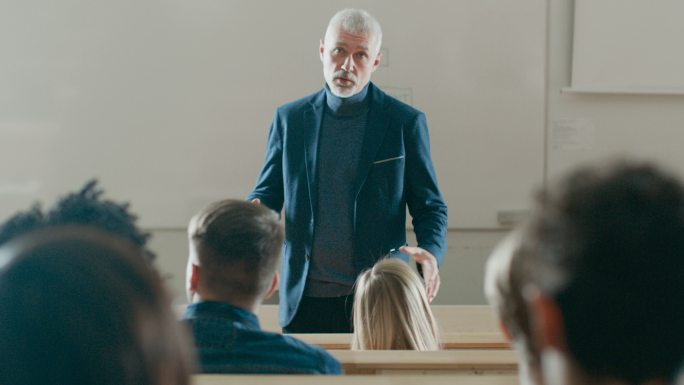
607	243
79	306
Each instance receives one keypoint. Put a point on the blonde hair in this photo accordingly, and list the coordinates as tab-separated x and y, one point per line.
391	311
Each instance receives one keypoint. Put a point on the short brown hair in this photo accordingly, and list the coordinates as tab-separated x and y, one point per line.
238	245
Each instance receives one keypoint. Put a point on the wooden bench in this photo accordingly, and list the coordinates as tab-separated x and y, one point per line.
450	379
472	361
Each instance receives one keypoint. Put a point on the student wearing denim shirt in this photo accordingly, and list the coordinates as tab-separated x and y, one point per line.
234	252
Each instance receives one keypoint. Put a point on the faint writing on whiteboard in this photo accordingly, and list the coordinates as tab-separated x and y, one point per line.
572	134
405	94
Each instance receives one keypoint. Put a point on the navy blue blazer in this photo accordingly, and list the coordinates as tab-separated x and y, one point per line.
395	171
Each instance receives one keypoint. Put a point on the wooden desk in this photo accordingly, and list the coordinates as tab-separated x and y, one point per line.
473	361
451	379
450	341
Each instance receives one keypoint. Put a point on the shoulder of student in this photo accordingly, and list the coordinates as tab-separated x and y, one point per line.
329	364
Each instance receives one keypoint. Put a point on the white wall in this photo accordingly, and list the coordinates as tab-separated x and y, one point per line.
168	103
600	126
589	127
579	128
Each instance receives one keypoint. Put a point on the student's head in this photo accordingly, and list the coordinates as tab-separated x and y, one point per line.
80	306
391	310
350	51
21	223
84	207
604	252
504	282
234	251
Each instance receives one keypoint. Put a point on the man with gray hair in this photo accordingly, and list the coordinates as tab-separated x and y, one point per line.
345	163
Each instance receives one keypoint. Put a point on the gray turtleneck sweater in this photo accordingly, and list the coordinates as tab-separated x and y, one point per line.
331	269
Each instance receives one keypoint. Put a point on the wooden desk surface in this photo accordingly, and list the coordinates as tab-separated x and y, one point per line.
450	341
474	361
411	379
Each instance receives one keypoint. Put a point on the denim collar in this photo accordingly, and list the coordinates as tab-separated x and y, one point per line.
222	310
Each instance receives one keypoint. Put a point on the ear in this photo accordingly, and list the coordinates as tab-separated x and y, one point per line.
191	278
377	61
274	286
547	321
505	331
194	277
321	49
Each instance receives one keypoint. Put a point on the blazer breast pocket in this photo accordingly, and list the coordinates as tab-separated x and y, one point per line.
386	179
394	158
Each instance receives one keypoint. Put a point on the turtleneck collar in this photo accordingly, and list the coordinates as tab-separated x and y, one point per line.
353	105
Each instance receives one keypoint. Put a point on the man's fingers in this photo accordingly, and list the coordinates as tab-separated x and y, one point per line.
432	284
256	201
428	263
435	288
410	249
417	253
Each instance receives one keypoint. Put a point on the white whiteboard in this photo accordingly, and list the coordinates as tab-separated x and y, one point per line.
629	45
168	102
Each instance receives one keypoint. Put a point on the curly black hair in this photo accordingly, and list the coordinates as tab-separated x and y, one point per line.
83	207
21	223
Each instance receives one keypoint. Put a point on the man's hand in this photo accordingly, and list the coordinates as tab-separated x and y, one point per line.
256	201
428	263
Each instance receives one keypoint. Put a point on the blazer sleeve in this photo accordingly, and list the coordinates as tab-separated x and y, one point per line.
269	184
423	198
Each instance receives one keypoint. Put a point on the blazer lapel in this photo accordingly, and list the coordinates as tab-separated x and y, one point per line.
311	123
378	121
